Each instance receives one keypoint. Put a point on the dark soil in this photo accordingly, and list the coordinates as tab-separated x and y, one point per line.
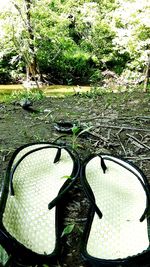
120	125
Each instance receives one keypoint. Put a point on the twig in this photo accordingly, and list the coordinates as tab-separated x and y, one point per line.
124	128
95	118
120	130
108	134
103	117
138	141
98	136
96	144
123	148
138	158
134	117
5	156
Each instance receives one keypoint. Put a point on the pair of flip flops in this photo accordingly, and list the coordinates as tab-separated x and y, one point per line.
34	196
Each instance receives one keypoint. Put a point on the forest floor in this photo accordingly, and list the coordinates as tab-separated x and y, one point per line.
119	125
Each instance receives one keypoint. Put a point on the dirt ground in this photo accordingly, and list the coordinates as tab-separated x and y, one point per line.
117	123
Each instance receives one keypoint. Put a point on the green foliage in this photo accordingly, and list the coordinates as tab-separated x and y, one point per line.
95	91
3	256
66	177
5	77
68	229
5	68
74	40
34	94
76	132
132	32
71	228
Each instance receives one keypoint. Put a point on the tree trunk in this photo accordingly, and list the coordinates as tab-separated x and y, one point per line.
31	68
147	76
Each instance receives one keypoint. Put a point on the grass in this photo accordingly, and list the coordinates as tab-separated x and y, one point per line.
11	92
17	91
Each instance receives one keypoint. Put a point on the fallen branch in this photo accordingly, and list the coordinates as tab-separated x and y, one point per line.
138	141
124	128
123	148
98	136
138	158
103	117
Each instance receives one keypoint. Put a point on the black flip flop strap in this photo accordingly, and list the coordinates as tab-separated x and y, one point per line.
89	191
90	194
147	192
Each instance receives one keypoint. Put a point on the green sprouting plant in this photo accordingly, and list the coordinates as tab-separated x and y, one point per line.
71	227
76	132
68	229
3	256
45	265
34	94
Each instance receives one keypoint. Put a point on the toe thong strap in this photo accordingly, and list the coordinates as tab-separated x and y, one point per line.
90	193
56	160
87	188
58	155
56	200
143	181
147	192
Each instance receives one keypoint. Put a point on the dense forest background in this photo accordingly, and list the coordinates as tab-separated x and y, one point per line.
75	42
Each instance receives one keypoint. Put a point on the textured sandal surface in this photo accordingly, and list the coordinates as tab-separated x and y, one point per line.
37	179
122	200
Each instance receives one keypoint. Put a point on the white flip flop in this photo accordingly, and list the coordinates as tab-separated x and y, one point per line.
117	228
31	210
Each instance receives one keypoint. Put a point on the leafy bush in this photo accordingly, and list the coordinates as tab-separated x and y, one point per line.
66	63
73	41
5	76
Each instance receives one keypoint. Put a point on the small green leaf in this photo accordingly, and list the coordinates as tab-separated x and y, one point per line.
68	229
3	255
75	129
66	177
